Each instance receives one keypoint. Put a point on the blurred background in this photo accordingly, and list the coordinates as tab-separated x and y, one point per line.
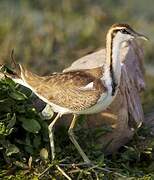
48	35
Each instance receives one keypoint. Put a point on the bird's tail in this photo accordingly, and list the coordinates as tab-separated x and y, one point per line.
14	72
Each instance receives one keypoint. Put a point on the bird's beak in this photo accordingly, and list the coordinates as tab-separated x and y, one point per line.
141	36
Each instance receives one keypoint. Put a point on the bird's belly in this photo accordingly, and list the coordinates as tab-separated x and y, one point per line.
59	109
101	105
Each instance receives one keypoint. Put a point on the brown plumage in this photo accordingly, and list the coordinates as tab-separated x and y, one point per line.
67	89
116	25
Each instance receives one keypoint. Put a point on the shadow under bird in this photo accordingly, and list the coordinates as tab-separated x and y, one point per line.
86	91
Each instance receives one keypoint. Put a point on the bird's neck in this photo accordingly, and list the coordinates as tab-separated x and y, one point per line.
113	65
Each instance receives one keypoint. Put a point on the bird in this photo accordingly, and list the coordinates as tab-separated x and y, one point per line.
85	91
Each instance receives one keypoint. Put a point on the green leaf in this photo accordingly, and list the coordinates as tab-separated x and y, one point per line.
2	128
27	139
29	149
12	149
12	121
3	100
9	82
37	141
31	125
18	96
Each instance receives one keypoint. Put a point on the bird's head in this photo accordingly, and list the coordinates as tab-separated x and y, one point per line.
123	32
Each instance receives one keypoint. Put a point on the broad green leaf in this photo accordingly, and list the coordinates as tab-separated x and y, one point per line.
27	139
31	125
10	82
37	141
18	96
12	149
29	149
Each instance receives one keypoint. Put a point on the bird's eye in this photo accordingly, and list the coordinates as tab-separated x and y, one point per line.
124	31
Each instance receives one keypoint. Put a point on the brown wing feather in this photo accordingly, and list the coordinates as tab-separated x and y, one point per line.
64	89
96	72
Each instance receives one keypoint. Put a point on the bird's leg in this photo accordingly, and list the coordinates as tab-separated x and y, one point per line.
51	138
74	141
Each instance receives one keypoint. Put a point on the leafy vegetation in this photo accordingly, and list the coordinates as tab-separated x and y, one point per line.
51	34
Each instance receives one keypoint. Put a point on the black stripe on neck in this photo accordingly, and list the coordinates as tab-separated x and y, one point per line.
114	83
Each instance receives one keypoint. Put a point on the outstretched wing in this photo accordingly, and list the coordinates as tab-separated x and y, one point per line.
77	90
